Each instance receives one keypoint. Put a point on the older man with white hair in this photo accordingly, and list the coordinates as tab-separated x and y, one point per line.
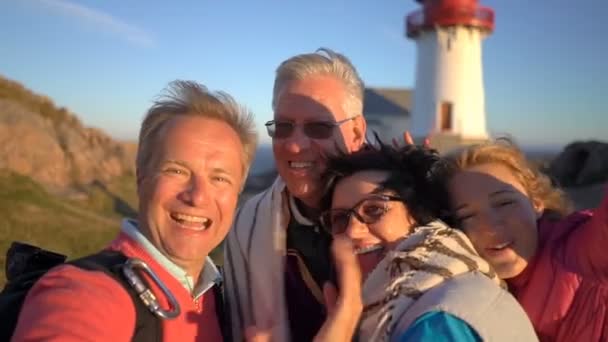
277	258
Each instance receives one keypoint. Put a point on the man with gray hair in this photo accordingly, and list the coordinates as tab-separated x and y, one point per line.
188	184
277	257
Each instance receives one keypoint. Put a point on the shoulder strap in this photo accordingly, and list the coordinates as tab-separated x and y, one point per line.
148	327
220	309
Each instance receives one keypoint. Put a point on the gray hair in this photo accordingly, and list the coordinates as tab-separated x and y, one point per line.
322	62
188	98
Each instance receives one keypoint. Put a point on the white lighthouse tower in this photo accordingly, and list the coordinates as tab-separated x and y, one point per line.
448	102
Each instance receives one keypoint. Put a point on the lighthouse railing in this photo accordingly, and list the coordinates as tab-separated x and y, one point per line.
480	17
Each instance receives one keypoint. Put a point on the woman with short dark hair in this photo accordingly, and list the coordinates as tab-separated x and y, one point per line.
422	279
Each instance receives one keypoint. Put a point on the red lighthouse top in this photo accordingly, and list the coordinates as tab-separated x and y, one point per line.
449	13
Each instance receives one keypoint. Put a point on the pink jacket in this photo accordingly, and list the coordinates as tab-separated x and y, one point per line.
564	289
72	304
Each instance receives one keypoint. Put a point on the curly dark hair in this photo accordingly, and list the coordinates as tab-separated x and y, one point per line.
417	174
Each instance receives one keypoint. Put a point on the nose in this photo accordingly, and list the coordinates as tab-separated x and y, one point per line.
196	192
297	142
491	223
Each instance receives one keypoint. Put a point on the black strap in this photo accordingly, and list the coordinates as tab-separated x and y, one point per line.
148	327
220	309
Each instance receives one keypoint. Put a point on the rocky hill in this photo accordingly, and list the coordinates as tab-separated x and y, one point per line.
582	169
49	144
63	186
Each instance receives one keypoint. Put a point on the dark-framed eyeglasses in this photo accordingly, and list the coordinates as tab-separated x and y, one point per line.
312	129
369	211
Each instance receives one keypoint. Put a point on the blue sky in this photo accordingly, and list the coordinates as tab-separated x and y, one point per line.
545	66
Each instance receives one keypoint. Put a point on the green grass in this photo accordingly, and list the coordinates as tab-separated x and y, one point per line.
72	227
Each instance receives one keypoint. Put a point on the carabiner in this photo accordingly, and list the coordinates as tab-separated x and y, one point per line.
144	292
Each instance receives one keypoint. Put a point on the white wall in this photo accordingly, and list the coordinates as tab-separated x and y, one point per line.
449	68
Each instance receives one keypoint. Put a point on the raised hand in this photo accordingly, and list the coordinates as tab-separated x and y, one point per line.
408	140
344	307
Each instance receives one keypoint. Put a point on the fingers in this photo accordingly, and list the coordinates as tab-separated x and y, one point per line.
408	138
344	256
347	267
255	334
344	307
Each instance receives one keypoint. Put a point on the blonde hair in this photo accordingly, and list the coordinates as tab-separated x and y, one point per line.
503	151
322	62
188	98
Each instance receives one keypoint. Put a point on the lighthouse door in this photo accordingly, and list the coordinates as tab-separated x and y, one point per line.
445	117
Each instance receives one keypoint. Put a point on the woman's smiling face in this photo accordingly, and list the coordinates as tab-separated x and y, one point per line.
496	213
363	193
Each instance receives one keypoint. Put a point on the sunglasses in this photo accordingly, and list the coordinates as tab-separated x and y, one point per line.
368	211
312	129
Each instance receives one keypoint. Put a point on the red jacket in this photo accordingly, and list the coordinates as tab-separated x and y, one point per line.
564	289
72	304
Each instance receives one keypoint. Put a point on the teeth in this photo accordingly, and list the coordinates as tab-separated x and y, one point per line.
368	249
193	219
192	222
502	245
300	165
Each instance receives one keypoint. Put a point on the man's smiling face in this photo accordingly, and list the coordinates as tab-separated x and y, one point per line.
188	193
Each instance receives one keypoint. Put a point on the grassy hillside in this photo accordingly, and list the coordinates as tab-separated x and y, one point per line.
74	219
75	225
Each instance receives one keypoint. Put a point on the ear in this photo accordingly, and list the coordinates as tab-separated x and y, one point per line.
359	130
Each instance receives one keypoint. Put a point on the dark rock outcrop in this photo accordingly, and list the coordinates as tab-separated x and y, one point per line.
581	163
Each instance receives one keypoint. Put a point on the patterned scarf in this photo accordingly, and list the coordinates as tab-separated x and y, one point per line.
428	257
